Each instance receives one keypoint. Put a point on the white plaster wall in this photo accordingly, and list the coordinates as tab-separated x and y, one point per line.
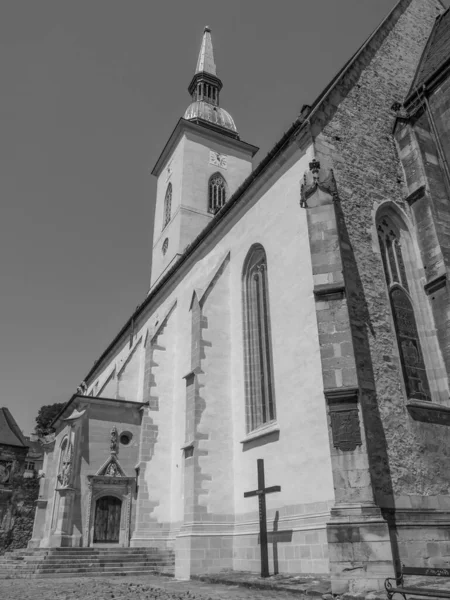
216	423
197	169
181	365
190	173
299	461
161	261
128	377
157	471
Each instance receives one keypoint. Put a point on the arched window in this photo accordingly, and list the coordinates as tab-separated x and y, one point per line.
167	205
259	391
217	193
411	356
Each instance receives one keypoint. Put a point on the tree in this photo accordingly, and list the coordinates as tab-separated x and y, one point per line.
45	416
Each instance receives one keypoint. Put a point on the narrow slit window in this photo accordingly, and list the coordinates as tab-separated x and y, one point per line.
259	388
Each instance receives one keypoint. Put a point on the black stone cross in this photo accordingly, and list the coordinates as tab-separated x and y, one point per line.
261	493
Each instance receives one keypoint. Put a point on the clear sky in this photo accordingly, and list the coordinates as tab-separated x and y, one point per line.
91	90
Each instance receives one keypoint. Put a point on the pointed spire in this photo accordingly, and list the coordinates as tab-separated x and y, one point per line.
205	89
205	62
205	85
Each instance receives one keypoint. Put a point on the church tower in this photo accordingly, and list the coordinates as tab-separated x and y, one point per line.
201	166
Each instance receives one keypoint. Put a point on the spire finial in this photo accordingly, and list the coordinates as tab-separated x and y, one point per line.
205	62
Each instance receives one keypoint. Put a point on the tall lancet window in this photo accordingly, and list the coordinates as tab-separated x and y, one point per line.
217	193
411	356
259	389
167	205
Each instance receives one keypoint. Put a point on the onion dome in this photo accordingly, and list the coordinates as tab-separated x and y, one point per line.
205	89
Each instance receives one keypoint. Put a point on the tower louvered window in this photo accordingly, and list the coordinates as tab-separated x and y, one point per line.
167	205
217	192
259	390
411	356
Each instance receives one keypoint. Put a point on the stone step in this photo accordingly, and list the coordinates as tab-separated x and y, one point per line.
78	562
51	557
88	562
96	560
50	564
50	568
105	549
90	549
88	568
83	556
118	573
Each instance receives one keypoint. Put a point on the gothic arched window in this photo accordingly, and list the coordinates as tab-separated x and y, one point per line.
411	356
259	389
217	193
167	205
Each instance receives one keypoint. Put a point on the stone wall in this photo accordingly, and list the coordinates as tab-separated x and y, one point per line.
352	131
357	141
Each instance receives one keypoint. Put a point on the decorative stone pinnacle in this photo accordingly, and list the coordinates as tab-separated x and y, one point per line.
314	167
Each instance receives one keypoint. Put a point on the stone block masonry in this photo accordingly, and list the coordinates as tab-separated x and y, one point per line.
352	133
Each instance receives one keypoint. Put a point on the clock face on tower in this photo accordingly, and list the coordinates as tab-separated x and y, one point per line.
217	159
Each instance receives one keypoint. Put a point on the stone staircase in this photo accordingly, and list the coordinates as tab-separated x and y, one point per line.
85	562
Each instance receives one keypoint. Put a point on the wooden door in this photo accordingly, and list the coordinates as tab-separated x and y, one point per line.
107	520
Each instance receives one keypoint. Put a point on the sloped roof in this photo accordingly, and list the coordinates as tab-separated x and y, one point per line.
10	433
436	53
300	122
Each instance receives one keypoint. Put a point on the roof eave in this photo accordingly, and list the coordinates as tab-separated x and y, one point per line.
215	133
263	165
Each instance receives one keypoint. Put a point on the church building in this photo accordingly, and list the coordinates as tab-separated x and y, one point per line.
299	313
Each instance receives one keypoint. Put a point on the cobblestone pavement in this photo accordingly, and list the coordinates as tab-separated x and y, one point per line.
149	587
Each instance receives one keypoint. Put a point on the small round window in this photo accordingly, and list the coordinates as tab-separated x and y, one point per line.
125	438
165	245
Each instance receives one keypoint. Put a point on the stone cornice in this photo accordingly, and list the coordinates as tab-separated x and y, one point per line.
342	395
184	126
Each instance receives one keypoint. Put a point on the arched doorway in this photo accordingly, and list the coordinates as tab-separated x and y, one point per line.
107	520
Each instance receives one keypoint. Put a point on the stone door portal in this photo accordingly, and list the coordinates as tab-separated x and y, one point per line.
107	520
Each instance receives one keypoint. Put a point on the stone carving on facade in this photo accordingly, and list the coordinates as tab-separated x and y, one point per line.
316	190
114	440
82	388
345	427
65	473
112	470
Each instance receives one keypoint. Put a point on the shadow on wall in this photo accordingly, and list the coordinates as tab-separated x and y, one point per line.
262	441
362	331
276	537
